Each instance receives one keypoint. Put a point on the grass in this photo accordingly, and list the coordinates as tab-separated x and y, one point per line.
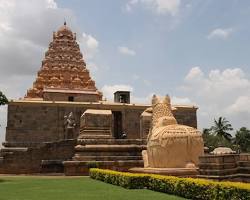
67	188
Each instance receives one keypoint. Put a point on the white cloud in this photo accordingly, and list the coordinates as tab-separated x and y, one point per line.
219	93
194	74
126	51
158	6
241	105
220	33
181	100
89	44
51	4
25	31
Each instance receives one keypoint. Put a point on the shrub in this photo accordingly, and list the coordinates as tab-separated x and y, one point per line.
190	188
126	180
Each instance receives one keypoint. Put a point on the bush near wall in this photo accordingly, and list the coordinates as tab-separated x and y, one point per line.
126	180
190	188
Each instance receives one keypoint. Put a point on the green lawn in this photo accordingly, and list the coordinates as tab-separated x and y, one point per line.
66	188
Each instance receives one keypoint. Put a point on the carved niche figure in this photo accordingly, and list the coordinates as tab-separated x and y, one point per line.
171	145
69	126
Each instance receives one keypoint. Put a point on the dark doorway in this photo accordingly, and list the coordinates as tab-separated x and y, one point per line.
117	124
70	98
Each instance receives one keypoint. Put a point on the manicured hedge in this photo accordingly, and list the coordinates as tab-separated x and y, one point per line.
126	180
190	188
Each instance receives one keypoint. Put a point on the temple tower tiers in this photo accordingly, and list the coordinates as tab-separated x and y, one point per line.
63	75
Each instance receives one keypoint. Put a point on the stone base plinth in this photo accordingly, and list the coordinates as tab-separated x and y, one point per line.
225	167
78	168
181	172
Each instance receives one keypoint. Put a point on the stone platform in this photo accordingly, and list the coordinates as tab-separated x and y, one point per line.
180	172
44	158
232	167
116	154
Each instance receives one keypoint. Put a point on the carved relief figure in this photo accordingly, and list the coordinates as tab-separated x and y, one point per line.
69	126
171	145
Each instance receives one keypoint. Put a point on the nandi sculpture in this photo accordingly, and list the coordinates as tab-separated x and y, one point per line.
171	145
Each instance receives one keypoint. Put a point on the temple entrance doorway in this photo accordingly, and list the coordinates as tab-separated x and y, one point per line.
117	124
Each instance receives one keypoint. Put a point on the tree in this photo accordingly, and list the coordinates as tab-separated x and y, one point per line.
3	99
242	138
221	128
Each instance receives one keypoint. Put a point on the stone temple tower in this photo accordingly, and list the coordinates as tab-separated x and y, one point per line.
63	75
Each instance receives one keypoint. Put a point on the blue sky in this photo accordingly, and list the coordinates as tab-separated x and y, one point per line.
197	51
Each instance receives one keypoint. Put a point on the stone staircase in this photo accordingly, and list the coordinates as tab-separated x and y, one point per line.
117	154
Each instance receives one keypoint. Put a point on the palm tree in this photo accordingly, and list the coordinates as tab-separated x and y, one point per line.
206	131
221	128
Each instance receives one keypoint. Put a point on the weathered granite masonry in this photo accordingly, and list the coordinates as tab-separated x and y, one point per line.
31	122
231	167
21	160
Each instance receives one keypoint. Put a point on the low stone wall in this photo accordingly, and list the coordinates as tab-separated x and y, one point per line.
28	160
233	167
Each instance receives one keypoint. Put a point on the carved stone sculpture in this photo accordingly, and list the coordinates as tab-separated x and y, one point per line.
171	145
69	126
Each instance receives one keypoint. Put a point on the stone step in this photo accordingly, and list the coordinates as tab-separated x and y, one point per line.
105	158
95	131
13	149
111	141
119	162
95	137
244	170
217	172
109	148
243	163
3	154
52	166
107	153
74	168
217	166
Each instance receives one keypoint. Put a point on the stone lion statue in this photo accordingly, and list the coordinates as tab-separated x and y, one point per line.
171	145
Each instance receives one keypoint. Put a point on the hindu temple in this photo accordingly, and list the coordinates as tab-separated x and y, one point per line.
64	125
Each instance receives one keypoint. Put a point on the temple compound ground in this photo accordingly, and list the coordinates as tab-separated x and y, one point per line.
64	125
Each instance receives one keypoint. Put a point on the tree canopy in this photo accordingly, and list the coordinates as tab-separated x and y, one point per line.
221	128
3	99
219	135
242	138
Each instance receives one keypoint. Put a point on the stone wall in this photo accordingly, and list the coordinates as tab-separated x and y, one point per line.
34	122
230	167
37	122
78	97
184	115
28	160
